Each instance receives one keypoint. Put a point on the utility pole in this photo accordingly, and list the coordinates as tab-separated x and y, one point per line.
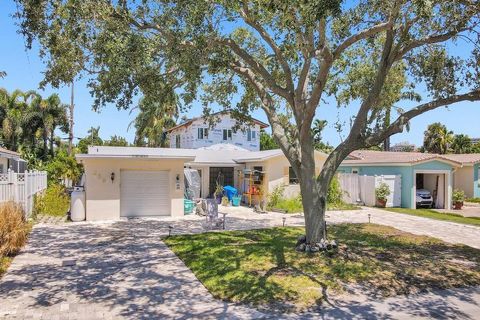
70	121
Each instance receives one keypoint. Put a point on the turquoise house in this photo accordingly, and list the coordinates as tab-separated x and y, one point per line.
417	170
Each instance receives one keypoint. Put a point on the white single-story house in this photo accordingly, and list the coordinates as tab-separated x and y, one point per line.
132	181
11	160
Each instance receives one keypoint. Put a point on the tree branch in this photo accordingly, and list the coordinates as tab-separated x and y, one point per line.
429	40
398	125
360	36
268	106
245	13
258	68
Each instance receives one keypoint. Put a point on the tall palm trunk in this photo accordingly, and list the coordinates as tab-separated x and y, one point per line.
45	143
52	138
70	121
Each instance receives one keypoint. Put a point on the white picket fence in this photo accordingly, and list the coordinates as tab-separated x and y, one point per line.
22	187
361	188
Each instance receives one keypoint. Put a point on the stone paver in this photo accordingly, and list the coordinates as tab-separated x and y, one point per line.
113	270
119	271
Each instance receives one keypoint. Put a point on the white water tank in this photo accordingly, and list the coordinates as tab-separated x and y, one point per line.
77	205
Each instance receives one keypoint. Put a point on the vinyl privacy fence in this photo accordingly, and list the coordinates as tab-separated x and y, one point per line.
22	187
360	189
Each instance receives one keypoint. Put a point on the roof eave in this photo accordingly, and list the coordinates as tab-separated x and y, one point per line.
135	157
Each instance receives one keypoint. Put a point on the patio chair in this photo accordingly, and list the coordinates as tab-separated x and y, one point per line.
213	221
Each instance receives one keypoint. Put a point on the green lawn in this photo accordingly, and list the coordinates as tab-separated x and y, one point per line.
262	266
474	200
294	205
427	213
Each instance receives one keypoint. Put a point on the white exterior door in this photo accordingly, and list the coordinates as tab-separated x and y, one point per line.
144	193
395	185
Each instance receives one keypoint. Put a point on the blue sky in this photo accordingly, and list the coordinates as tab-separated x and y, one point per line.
24	71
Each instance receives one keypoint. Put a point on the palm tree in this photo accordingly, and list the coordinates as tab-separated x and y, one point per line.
44	116
153	119
437	138
13	107
462	144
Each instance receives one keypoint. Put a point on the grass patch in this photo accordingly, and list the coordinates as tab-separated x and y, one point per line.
432	214
289	205
262	266
294	205
474	200
342	206
4	264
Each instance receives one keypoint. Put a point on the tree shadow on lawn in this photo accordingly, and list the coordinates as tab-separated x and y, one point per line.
261	266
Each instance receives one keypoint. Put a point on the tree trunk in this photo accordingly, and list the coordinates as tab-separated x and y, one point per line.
70	122
314	206
52	138
45	143
313	201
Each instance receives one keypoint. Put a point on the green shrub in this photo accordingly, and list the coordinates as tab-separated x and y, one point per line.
335	192
475	200
382	191
54	201
290	205
275	196
14	229
458	195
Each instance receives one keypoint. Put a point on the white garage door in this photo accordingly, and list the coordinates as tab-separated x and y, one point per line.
144	193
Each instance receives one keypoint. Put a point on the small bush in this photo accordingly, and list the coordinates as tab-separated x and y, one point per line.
275	196
13	229
54	201
382	192
458	195
290	205
335	193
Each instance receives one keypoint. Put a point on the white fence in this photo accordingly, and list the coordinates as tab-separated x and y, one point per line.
21	187
361	188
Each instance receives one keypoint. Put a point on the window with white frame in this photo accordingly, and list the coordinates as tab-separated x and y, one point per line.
227	134
251	135
177	141
202	133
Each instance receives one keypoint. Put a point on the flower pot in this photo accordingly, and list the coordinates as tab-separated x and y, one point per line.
457	205
381	203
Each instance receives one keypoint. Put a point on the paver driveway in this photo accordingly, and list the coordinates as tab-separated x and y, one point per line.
123	270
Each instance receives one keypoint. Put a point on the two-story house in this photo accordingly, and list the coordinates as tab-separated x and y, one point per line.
197	133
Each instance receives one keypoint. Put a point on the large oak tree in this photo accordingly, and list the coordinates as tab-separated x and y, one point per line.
282	56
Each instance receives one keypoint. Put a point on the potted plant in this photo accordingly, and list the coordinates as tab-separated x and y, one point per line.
218	193
225	201
458	197
381	193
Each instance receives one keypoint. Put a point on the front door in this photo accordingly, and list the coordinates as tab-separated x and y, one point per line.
222	175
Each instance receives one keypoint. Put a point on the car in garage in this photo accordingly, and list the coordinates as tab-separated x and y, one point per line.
424	198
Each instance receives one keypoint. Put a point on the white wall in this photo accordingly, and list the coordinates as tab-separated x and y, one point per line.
429	183
189	135
463	180
103	194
